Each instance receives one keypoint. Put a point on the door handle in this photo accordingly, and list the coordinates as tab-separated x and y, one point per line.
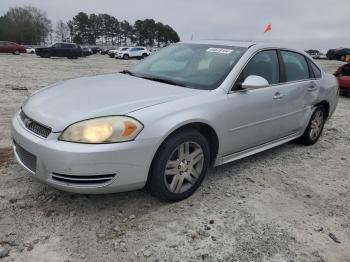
277	96
312	88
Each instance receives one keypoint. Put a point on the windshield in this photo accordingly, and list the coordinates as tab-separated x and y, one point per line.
125	48
198	66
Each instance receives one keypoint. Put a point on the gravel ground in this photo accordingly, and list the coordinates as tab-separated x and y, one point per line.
290	203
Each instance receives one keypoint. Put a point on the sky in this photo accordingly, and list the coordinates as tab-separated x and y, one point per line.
304	24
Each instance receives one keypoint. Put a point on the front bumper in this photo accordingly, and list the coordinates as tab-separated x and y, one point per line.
83	168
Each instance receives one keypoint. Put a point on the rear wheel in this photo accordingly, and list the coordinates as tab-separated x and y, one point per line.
315	127
17	52
179	166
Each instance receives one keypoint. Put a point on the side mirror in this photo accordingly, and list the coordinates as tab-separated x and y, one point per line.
254	82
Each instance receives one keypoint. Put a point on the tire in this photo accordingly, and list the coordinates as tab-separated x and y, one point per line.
342	58
183	177
144	56
17	52
47	55
315	127
126	57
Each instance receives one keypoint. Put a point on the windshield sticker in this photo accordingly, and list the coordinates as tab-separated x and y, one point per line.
219	50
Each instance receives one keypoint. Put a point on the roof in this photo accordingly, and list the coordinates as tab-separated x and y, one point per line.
241	43
245	43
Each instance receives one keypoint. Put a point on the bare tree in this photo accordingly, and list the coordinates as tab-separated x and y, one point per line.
27	25
62	31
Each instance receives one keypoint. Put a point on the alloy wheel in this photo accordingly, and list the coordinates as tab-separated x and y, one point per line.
184	167
316	125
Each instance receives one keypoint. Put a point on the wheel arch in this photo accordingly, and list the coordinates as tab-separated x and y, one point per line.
326	105
204	128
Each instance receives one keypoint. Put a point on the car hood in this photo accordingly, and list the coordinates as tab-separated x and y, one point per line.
62	104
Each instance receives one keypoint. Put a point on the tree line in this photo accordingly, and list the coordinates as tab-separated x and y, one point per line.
89	29
30	25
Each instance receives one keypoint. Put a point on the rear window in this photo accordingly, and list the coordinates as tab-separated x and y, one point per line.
315	70
295	65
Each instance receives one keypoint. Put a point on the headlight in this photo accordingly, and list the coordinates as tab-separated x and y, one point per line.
109	129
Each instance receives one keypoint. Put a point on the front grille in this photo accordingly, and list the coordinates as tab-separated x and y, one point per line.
34	126
83	180
28	159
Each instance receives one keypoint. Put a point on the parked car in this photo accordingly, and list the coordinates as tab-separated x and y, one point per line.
343	76
331	54
87	51
12	48
29	49
111	53
338	54
104	51
68	50
132	52
315	54
95	50
164	122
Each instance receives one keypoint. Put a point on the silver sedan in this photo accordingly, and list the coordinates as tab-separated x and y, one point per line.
164	122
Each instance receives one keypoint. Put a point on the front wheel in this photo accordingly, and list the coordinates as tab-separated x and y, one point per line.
126	57
17	52
315	127
179	166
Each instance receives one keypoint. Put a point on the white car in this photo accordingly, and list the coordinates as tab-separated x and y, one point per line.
132	52
30	50
112	52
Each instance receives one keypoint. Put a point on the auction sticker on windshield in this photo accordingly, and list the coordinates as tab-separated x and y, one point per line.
219	50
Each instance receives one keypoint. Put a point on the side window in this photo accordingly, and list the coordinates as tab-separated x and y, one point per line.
295	65
57	45
264	64
315	70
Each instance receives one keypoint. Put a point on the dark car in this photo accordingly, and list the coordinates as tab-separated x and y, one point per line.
95	49
343	76
338	54
87	51
68	50
12	48
315	54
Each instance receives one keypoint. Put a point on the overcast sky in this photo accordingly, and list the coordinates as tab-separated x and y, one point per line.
305	24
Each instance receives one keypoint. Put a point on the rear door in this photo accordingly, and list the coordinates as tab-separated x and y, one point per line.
300	90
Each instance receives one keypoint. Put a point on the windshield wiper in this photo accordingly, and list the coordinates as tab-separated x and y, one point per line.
165	81
128	72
